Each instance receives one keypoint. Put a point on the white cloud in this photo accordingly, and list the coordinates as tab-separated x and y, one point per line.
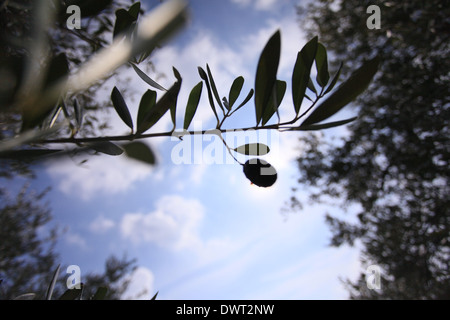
173	224
76	240
141	285
101	225
100	175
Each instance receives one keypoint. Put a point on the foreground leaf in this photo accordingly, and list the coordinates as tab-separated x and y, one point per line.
275	100
323	125
26	296
147	79
334	80
140	151
121	107
345	93
100	294
72	294
192	104
147	103
214	88
235	91
204	77
134	10
106	147
302	71
51	287
150	114
253	149
322	65
124	21
266	74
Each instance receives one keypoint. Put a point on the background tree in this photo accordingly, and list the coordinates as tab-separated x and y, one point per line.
394	163
27	252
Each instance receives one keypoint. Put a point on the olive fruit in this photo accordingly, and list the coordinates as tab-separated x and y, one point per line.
260	172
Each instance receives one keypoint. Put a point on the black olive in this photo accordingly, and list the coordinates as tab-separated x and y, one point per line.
260	172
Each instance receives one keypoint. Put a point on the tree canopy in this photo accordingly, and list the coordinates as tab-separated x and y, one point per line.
394	163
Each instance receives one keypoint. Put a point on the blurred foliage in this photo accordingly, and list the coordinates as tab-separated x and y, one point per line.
28	257
394	163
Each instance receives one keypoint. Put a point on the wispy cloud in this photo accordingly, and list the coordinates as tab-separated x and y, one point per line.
173	224
101	175
101	225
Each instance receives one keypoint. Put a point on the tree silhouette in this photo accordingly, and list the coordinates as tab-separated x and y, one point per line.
395	161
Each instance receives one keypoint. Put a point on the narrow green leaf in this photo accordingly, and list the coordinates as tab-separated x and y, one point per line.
26	296
140	151
321	126
192	104
51	287
235	91
266	74
334	80
173	107
106	147
311	86
72	294
121	107
302	71
78	113
323	76
247	99
100	294
147	103
253	149
134	10
167	101
214	88
275	100
345	93
124	21
208	87
147	79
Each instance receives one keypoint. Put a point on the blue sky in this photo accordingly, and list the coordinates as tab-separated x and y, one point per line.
202	231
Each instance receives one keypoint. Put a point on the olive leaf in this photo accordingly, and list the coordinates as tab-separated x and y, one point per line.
235	91
214	88
302	71
266	74
334	80
124	22
204	76
322	65
345	93
121	107
151	113
140	151
106	147
147	103
275	100
147	79
321	126
253	149
192	104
